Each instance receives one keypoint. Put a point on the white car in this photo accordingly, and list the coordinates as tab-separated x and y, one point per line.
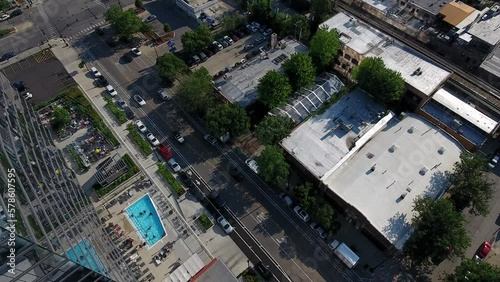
112	92
301	213
218	45
136	51
95	72
174	165
256	25
493	162
179	137
139	100
150	19
225	225
153	139
163	95
27	95
140	125
121	103
4	17
252	164
228	40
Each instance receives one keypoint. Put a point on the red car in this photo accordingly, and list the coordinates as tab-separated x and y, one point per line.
164	151
483	250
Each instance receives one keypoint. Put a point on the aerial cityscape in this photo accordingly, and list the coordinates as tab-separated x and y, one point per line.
249	140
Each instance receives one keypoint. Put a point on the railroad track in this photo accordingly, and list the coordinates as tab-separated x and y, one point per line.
479	89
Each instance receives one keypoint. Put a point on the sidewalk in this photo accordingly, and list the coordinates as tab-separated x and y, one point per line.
186	207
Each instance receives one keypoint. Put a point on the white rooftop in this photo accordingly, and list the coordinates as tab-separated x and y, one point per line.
370	42
381	5
324	140
466	111
241	84
405	159
488	27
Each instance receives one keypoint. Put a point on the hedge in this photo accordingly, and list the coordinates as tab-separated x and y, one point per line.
205	221
141	143
120	116
171	179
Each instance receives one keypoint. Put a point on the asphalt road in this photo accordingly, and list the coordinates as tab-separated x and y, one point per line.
288	240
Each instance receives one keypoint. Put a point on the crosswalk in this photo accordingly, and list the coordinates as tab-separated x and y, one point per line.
87	30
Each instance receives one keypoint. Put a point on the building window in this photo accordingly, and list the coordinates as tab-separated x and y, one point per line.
347	57
355	62
344	66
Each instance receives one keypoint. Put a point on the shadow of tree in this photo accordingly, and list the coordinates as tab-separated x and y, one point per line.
398	225
439	182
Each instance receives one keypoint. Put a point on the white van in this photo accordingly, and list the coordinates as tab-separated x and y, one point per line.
344	253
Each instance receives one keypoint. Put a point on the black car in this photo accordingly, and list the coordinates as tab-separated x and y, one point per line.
235	173
7	56
208	52
20	86
130	114
263	270
127	58
102	80
246	31
239	34
186	179
213	48
16	13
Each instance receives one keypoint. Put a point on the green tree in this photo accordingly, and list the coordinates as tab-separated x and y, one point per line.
170	66
305	196
261	11
438	227
139	4
60	118
384	84
233	22
325	45
273	89
470	270
196	92
273	129
146	28
125	23
167	28
5	5
300	71
273	167
228	118
197	40
470	188
321	10
297	26
323	214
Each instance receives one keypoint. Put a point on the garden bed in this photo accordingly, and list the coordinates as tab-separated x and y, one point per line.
179	190
120	116
132	170
139	141
205	221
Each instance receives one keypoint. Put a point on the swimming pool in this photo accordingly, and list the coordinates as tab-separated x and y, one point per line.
146	221
88	256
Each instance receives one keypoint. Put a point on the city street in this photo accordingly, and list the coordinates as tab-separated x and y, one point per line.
288	240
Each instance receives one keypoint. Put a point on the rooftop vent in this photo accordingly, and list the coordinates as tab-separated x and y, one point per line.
370	155
403	196
423	171
411	129
392	149
408	189
441	150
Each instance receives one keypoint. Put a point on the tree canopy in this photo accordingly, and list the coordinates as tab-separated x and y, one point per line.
321	10
323	214
228	118
470	189
384	84
170	66
166	28
138	4
4	5
438	228
470	270
125	22
273	167
196	92
300	71
234	22
272	129
260	11
325	45
197	40
60	118
273	89
305	196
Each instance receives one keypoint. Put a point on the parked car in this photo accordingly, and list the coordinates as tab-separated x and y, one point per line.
256	25
333	245
235	173
153	139
263	270
111	91
259	40
196	59
228	40
240	34
252	164
27	95
210	139
223	42
138	99
208	52
186	178
213	48
95	72
218	45
121	103
288	201
140	125
493	162
136	51
179	137
19	86
203	57
267	32
251	28
164	151
4	17
163	94
102	80
483	251
150	19
174	165
301	213
225	225
127	58
234	37
248	47
247	30
318	229
16	13
130	114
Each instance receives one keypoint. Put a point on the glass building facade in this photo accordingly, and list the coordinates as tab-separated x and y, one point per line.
55	231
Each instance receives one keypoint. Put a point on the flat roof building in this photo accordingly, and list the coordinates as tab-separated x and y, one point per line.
240	85
487	28
360	41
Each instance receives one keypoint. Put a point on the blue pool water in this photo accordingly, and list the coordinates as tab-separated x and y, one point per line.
146	221
84	249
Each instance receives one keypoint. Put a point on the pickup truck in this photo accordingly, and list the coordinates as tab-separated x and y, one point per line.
164	151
